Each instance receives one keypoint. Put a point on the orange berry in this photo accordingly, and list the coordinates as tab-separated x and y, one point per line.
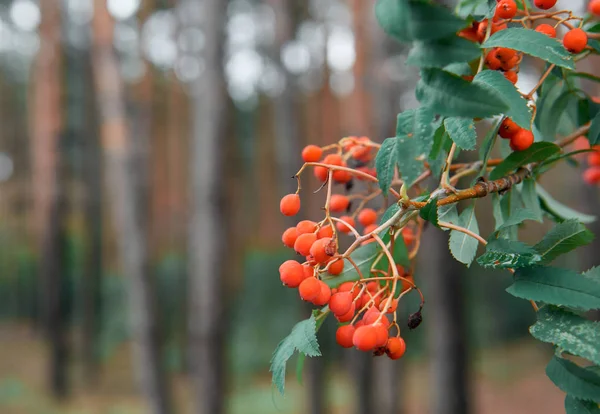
365	338
309	289
367	216
391	308
347	317
492	61
340	303
594	7
593	158
544	4
592	175
370	228
381	333
320	249
371	171
521	140
505	54
546	29
509	64
342	227
333	159
291	273
371	315
289	237
323	296
340	176
408	235
512	76
360	151
325	231
306	226
506	9
338	203
482	29
321	173
308	270
395	348
336	267
304	242
470	33
344	335
508	128
290	205
406	285
311	153
575	40
496	27
349	287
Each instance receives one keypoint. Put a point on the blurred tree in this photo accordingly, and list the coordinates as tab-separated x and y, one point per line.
123	156
207	230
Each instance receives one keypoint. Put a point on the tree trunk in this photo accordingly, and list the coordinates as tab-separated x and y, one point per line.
207	226
122	157
445	319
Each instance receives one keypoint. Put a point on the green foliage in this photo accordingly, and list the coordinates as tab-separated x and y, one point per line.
399	254
486	147
576	406
532	43
414	134
576	381
462	246
594	132
557	287
450	95
442	52
568	331
530	199
462	132
385	163
430	212
518	110
302	339
508	254
539	151
409	20
448	214
517	217
558	210
563	238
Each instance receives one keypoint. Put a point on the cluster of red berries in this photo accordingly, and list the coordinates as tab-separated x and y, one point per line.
591	175
361	307
520	138
594	7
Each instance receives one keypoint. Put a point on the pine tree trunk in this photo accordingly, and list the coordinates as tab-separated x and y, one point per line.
207	228
122	164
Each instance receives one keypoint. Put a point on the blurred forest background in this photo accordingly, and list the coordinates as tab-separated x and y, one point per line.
144	147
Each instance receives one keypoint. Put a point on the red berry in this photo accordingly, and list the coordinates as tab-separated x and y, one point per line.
365	338
547	29
291	273
325	231
592	175
338	203
382	334
395	348
391	308
336	267
509	64
575	40
320	248
347	317
492	60
309	271
508	128
306	226
340	303
311	153
343	227
304	242
593	158
321	173
323	296
289	237
408	235
370	229
506	9
594	7
333	159
367	216
340	176
371	315
290	205
309	289
344	335
521	140
513	77
544	4
505	54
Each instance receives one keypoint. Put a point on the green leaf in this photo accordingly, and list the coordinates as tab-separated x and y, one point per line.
530	198
415	140
559	210
576	381
551	113
442	52
409	20
450	95
537	152
594	132
576	406
532	43
518	110
462	246
563	238
460	69
487	146
363	257
508	254
303	339
568	331
448	214
462	132
557	287
300	367
389	213
400	255
430	212
517	217
385	163
437	156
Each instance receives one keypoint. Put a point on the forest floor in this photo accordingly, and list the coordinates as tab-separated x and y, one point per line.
508	380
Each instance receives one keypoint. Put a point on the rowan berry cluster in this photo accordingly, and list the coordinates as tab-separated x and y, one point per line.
591	174
365	308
